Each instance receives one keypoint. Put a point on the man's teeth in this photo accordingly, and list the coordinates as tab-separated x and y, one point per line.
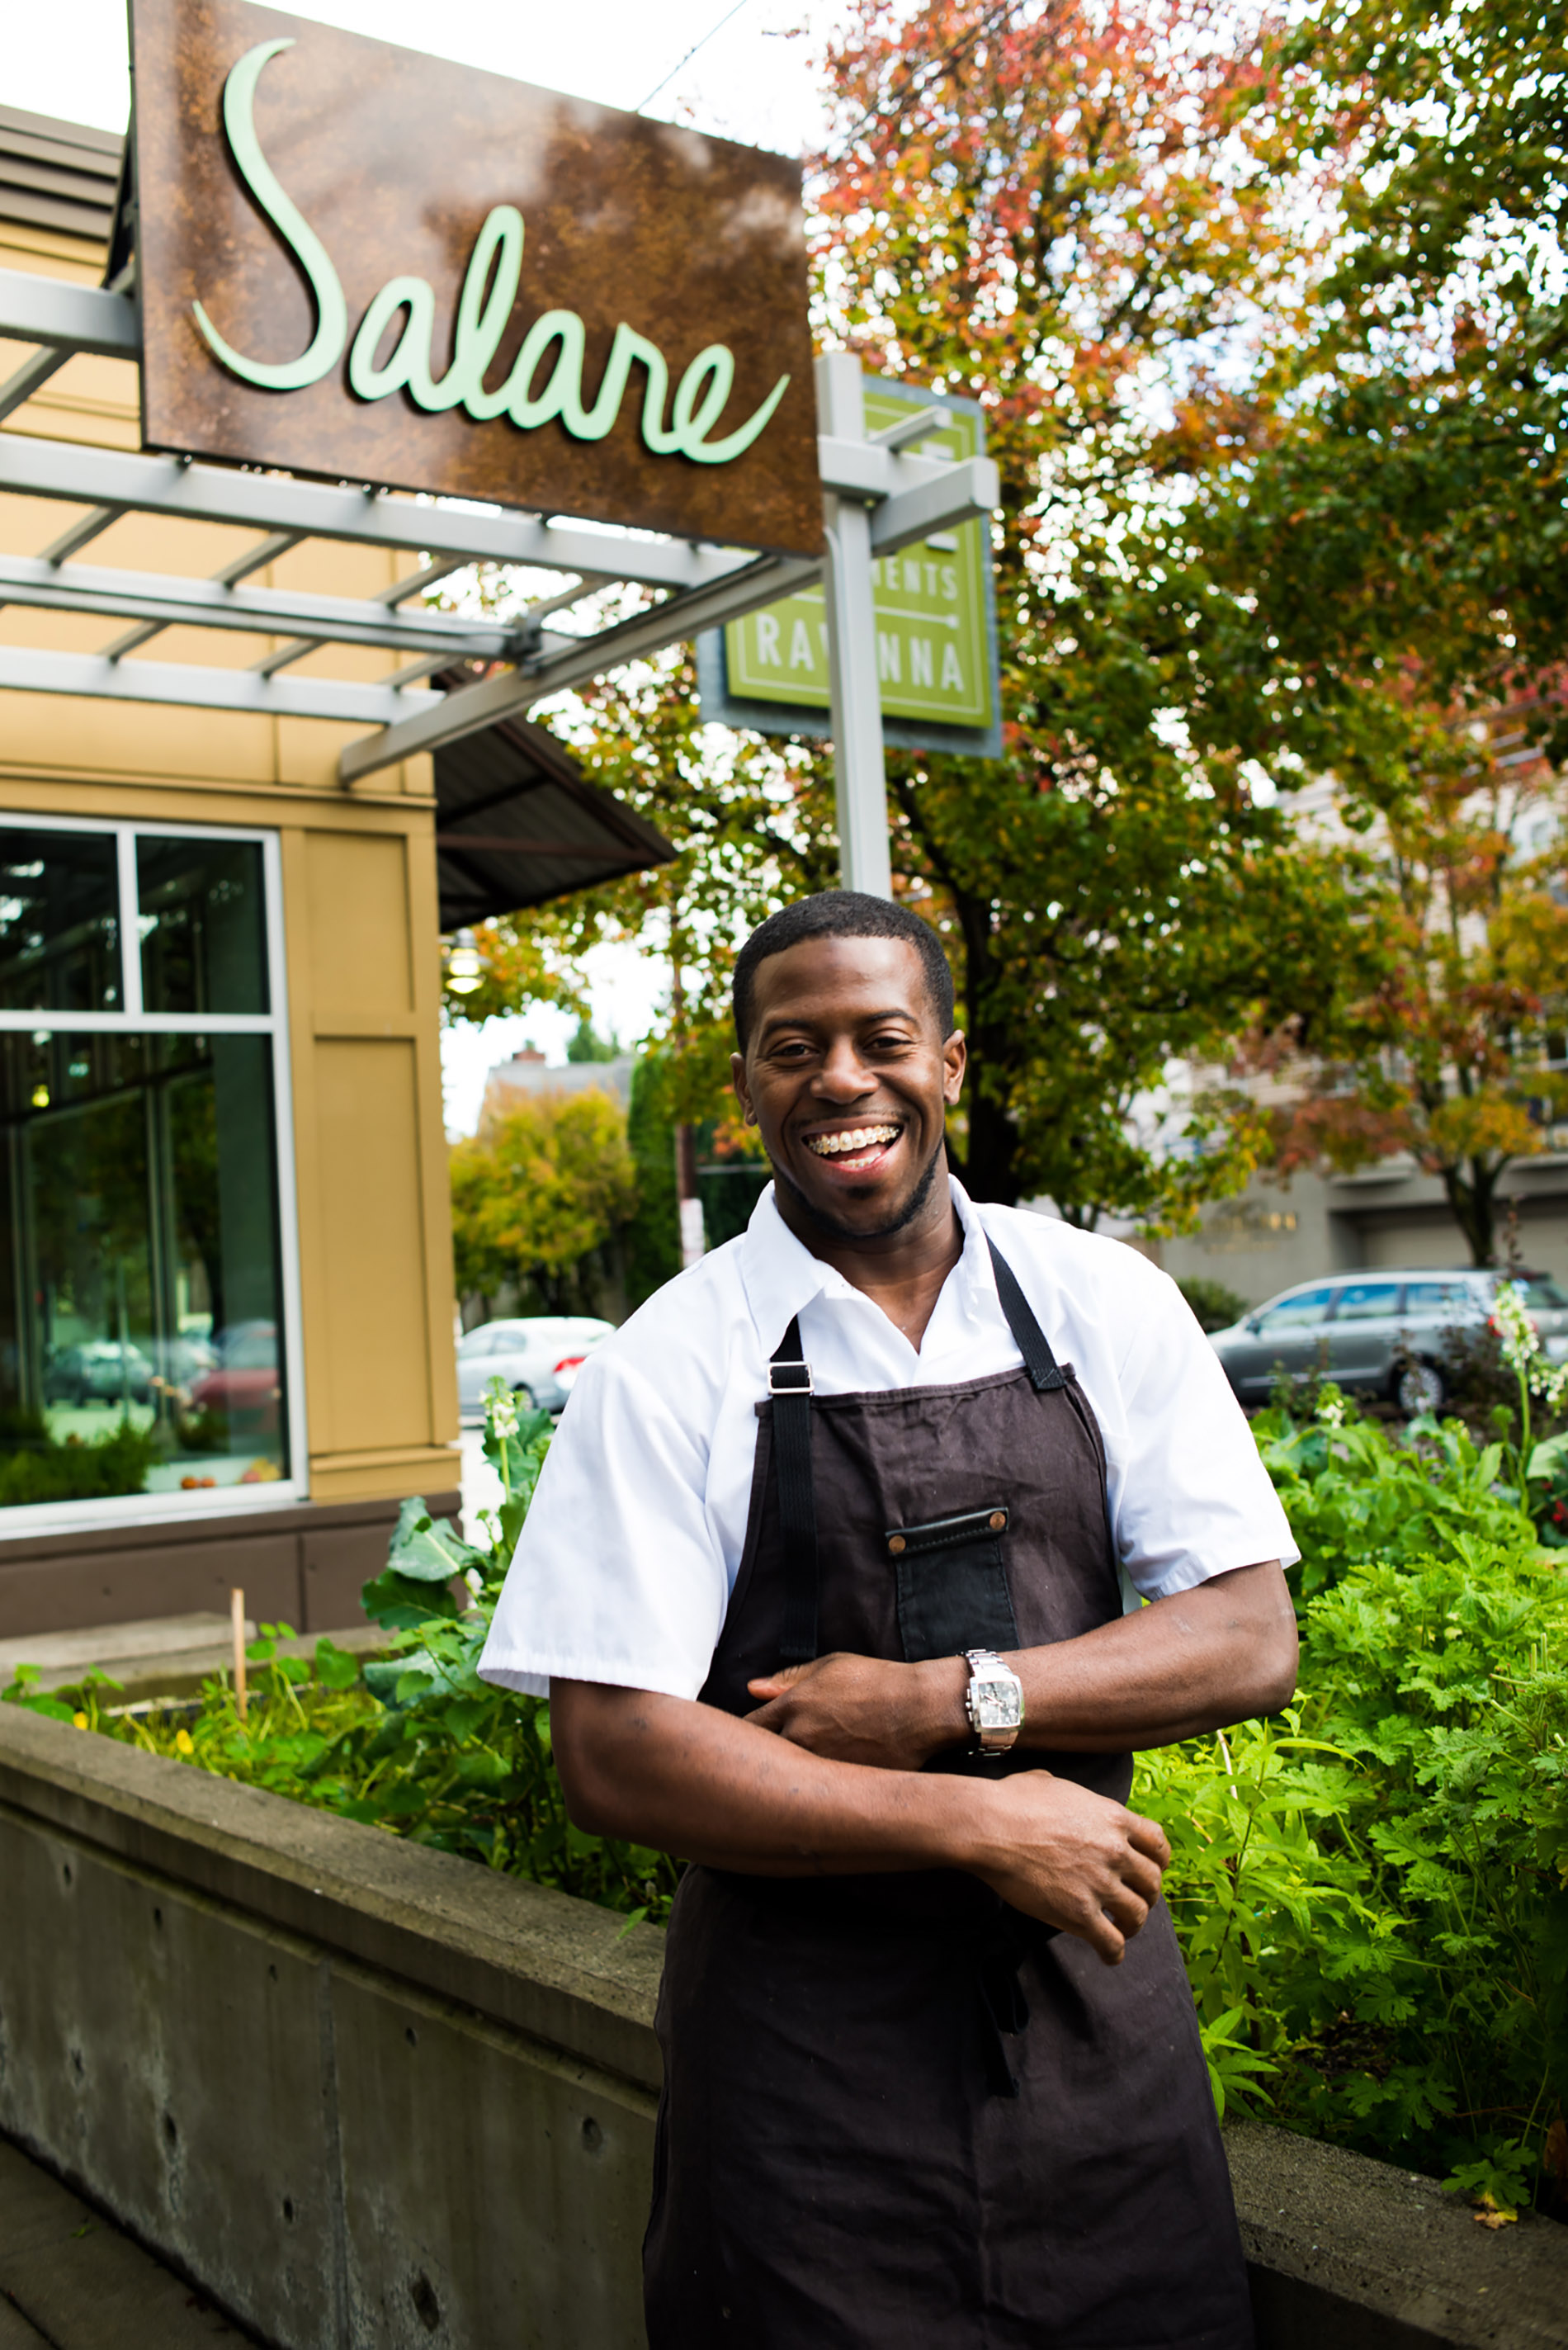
859	1137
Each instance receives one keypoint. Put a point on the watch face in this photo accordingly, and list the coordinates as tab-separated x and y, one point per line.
997	1704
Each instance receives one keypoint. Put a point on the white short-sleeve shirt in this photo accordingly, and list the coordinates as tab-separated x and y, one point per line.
633	1542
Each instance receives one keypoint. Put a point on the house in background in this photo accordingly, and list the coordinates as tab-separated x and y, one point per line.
527	1077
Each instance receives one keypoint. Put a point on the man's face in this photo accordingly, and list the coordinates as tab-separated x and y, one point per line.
847	1077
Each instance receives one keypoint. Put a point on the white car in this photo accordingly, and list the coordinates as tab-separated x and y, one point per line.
538	1356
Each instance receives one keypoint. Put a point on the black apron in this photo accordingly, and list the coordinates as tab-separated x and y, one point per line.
896	2111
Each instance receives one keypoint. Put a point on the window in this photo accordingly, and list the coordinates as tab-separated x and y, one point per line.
1299	1312
1439	1301
1541	1294
144	1332
476	1343
1367	1301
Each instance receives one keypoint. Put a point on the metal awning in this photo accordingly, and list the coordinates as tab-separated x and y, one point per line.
517	823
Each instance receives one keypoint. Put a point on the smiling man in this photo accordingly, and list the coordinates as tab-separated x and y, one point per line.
834	1577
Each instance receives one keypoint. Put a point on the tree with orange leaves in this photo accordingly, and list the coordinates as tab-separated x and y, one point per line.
1462	1042
1396	545
1057	209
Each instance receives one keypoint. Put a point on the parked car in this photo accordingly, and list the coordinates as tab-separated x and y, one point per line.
245	1385
98	1370
538	1356
1380	1334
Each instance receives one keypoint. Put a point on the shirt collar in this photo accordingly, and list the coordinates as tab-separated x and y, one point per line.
780	1276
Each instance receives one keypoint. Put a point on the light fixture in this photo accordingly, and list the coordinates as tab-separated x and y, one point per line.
464	964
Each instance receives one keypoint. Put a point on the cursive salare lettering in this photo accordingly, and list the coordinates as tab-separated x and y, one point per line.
553	350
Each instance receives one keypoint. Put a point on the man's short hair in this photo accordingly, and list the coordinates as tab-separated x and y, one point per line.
841	914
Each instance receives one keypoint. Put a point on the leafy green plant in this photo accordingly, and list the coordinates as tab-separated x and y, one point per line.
413	1741
1371	1895
1354	1490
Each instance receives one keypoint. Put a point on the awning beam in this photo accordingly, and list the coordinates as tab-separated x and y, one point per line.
279	502
873	488
172	602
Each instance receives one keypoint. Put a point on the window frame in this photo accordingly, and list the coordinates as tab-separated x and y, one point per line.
31	1519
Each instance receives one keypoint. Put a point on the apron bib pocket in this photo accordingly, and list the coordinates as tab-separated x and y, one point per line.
953	1584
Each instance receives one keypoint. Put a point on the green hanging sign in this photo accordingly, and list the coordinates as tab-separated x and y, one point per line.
936	626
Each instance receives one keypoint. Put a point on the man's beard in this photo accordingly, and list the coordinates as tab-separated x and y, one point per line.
830	1227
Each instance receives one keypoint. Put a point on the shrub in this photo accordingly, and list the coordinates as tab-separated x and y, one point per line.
36	1469
414	1742
1370	1895
1215	1305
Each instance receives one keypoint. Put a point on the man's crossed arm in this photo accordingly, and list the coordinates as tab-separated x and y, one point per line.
825	1777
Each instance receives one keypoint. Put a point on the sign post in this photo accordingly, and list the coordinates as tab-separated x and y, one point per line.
860	775
897	644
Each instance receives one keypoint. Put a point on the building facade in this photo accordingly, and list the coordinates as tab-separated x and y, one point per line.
226	1309
1273	1235
225	1280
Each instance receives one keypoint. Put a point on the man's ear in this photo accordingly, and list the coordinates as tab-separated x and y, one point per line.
955	1058
742	1091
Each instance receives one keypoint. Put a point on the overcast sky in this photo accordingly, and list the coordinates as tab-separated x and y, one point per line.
749	79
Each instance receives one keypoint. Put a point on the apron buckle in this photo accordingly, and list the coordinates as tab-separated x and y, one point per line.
782	1385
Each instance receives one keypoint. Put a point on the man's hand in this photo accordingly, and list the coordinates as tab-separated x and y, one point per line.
1073	1858
685	1778
889	1716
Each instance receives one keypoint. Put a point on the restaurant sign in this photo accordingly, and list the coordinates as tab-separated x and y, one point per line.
936	626
362	263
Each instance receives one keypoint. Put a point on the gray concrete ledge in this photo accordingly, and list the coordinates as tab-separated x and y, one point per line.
564	1971
372	2094
1366	2257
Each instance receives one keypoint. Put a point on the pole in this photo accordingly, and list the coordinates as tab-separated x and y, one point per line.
237	1617
860	782
687	1199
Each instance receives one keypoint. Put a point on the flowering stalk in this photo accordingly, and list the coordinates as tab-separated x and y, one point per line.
501	1412
1521	1353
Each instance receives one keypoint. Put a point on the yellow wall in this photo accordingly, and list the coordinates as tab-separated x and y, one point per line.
359	910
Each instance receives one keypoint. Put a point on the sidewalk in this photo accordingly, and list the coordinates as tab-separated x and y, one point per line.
71	2281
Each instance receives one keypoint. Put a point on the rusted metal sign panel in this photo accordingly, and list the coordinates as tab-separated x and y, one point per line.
362	263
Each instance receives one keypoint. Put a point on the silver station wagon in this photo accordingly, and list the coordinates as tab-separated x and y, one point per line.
1380	1334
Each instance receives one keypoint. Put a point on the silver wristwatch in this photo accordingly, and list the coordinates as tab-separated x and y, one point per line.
995	1702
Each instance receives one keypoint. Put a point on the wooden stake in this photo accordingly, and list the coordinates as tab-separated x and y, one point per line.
237	1609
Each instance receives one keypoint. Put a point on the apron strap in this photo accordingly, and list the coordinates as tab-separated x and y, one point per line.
789	1384
1027	1336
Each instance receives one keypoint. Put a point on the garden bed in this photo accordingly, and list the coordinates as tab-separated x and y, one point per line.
1369	1889
360	2091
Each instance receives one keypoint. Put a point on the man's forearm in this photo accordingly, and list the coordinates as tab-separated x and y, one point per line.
1194	1662
1191	1663
692	1781
699	1783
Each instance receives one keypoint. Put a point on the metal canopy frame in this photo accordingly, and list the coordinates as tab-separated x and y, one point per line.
878	494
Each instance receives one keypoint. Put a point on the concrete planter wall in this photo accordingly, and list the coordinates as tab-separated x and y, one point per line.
366	2094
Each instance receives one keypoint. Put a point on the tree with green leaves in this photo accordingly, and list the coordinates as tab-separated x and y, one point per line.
1040	211
536	1195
